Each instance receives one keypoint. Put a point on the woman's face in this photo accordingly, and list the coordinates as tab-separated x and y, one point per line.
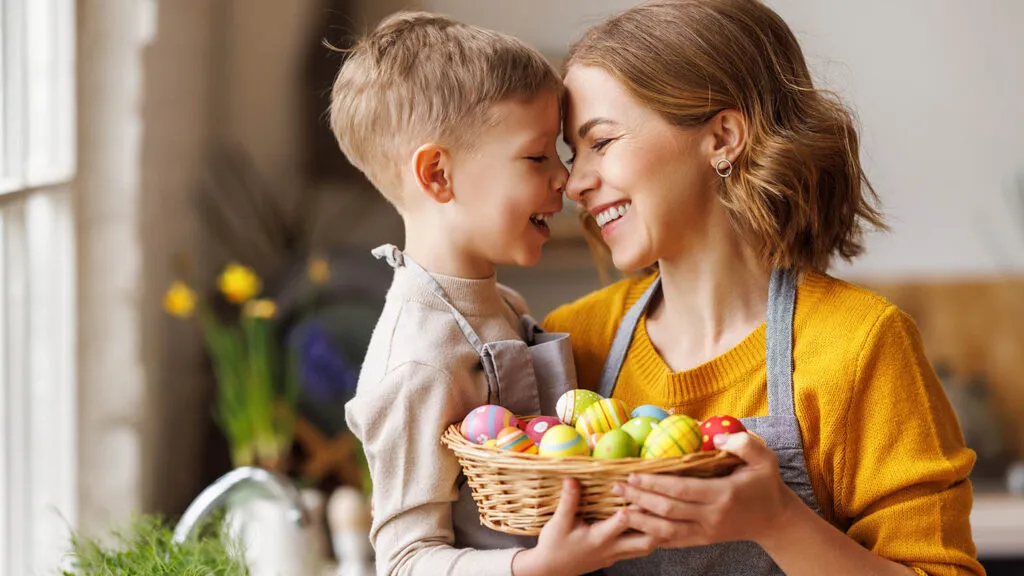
650	185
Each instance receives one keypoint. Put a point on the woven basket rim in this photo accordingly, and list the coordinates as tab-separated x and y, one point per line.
505	459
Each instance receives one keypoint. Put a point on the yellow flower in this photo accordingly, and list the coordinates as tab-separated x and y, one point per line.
239	283
319	270
180	300
261	308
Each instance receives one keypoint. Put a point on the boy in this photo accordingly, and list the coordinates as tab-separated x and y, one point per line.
456	126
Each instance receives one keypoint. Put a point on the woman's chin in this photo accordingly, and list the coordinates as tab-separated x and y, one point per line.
631	260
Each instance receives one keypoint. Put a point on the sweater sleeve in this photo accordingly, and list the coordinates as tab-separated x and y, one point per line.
902	484
400	421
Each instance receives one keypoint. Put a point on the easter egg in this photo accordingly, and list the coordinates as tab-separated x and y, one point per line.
649	410
537	427
639	428
718	425
616	444
492	443
602	416
515	440
593	439
562	441
674	436
571	404
484	423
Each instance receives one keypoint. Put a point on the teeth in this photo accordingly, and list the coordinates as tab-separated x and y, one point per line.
612	214
540	217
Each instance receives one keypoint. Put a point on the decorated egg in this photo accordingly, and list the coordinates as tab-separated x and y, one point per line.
515	440
593	439
674	436
718	425
616	444
571	404
537	427
602	416
492	443
639	428
484	423
562	441
649	410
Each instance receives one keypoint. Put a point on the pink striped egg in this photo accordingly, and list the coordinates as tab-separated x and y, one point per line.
484	423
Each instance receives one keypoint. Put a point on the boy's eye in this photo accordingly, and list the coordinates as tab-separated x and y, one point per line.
537	159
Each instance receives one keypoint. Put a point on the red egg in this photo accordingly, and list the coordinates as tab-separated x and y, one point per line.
539	426
718	425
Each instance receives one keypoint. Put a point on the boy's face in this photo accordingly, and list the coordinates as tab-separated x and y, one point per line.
508	182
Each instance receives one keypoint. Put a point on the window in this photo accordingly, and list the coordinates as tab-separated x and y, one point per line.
37	319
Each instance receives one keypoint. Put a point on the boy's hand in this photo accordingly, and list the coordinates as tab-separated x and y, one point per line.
568	546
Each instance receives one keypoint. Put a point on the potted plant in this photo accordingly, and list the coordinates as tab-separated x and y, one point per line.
147	547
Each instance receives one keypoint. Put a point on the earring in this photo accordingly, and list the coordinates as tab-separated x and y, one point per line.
723	167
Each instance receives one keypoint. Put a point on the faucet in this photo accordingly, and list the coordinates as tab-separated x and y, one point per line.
214	494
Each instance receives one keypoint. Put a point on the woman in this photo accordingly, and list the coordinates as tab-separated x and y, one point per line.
702	148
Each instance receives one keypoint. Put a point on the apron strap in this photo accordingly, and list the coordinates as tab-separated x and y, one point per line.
623	338
397	259
779	339
778	336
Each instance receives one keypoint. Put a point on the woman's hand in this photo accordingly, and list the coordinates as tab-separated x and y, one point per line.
568	546
746	505
752	503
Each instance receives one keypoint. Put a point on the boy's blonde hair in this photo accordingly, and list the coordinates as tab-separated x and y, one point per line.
798	192
421	77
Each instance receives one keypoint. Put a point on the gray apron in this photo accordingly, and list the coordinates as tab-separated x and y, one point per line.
526	377
779	429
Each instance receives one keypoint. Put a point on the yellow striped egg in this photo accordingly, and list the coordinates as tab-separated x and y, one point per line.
515	440
674	436
571	404
602	416
593	439
562	441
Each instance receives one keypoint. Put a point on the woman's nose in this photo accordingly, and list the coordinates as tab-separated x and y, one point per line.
580	182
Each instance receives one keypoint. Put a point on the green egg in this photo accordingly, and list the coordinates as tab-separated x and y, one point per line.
616	444
639	428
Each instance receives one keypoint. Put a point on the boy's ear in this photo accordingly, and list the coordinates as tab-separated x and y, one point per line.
728	135
431	167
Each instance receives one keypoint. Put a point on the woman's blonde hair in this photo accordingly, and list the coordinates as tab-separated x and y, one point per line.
797	192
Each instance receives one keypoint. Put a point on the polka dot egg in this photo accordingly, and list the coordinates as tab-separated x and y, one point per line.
484	423
602	416
539	426
515	440
676	435
561	441
718	425
571	404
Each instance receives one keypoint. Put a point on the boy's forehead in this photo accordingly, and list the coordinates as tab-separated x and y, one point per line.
540	116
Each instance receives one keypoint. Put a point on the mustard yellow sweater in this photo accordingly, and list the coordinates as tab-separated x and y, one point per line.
884	450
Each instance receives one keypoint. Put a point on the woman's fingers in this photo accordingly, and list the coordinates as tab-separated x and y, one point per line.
668	533
693	490
659	504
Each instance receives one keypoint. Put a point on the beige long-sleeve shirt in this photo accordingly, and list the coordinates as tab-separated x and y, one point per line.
421	374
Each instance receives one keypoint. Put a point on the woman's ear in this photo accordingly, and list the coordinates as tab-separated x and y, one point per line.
728	131
431	168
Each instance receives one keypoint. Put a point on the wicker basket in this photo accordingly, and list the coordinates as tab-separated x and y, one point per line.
517	493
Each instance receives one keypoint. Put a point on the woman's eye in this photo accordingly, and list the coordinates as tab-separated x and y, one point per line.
600	144
571	159
537	159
